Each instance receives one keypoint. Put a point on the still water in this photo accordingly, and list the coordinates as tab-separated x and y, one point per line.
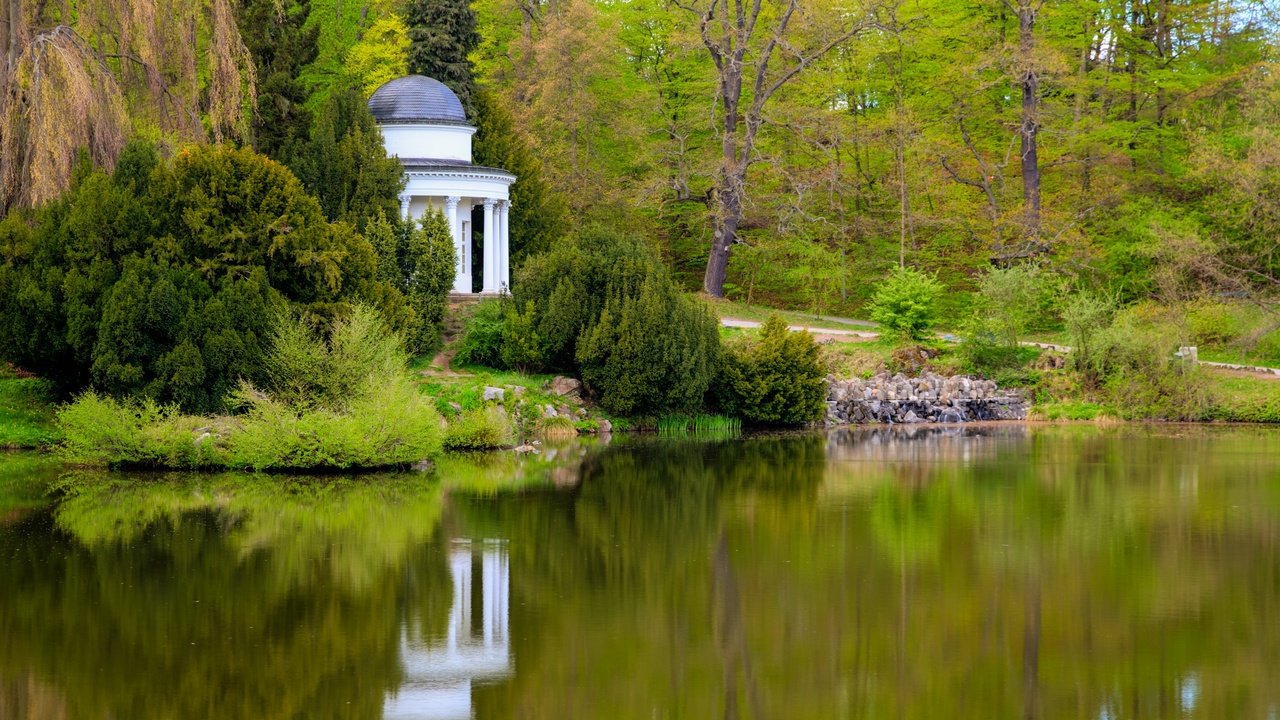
1009	572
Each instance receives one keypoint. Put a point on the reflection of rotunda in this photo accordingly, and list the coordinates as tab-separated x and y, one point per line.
440	672
424	125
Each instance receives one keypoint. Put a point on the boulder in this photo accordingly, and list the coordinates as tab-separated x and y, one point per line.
566	386
494	393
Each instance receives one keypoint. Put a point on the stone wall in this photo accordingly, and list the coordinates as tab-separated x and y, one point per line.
929	398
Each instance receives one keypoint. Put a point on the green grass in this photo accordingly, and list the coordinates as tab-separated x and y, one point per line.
1070	410
26	412
1244	399
699	426
1236	356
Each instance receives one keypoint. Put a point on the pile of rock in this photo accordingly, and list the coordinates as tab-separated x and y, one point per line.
929	398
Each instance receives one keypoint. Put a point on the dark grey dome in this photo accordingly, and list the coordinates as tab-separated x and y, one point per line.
416	98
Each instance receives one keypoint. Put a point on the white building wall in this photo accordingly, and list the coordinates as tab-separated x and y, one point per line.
442	142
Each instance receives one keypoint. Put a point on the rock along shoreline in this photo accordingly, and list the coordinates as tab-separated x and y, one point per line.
929	398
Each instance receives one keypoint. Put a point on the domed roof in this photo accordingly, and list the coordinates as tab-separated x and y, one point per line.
416	99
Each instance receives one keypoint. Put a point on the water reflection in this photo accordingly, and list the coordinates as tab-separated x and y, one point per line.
440	671
1002	571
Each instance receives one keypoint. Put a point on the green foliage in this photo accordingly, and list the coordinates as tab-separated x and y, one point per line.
906	302
522	347
1070	410
480	429
539	217
1008	302
275	33
481	342
1134	361
26	415
344	400
379	56
160	280
428	267
442	33
1084	317
570	284
345	165
776	380
651	351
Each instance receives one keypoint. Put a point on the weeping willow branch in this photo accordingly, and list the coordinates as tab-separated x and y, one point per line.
82	76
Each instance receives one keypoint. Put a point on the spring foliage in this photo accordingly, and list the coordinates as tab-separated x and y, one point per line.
336	399
906	302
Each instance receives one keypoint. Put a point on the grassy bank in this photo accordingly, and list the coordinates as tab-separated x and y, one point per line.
26	411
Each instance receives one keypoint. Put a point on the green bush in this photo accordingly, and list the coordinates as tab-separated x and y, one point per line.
906	303
335	401
1085	317
1007	302
161	279
1143	379
522	348
481	429
774	381
570	285
650	352
481	342
1212	322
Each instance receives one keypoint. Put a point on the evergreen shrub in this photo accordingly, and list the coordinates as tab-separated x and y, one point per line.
650	352
776	380
161	279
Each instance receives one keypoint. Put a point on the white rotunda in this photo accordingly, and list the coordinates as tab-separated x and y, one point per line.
423	124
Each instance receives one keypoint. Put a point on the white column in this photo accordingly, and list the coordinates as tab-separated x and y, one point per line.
504	252
460	280
490	283
404	206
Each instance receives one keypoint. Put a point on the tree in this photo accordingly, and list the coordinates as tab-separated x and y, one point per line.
345	165
730	30
276	34
442	33
160	280
538	215
83	74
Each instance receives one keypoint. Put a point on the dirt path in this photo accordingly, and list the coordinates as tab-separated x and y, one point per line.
818	333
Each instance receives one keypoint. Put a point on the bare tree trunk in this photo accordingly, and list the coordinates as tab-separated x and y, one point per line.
1030	126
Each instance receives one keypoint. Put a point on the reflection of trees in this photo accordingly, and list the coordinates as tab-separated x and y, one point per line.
1039	573
227	596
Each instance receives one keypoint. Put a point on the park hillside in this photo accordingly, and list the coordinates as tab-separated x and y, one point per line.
213	254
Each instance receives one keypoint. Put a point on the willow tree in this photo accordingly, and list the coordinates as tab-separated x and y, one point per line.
83	74
757	49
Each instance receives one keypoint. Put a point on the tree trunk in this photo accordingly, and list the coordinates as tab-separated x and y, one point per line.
725	234
1030	125
729	186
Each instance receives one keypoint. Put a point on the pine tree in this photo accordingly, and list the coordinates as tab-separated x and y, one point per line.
282	45
442	33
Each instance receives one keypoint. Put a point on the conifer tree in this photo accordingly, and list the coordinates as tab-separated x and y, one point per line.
442	33
344	164
276	34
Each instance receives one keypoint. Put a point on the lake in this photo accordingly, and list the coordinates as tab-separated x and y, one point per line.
990	572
